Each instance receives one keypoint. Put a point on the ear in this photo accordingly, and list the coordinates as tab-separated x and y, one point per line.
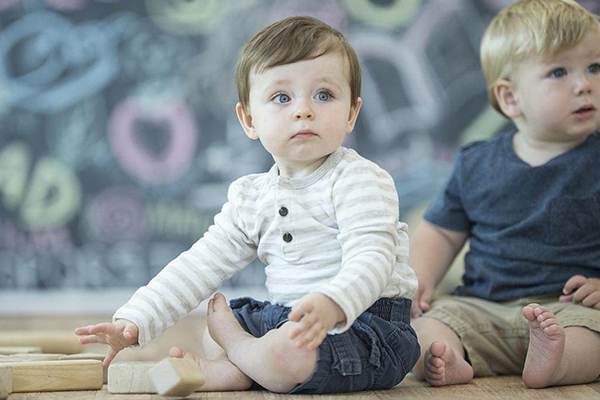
507	98
246	121
354	111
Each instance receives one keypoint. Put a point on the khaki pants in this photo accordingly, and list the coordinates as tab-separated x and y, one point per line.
495	335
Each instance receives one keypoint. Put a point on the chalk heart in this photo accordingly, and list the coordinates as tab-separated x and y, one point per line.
155	146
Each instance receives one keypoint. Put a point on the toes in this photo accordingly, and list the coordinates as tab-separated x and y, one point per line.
437	349
532	311
176	352
539	310
219	302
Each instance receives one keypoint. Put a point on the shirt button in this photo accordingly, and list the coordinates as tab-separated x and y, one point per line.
283	211
287	237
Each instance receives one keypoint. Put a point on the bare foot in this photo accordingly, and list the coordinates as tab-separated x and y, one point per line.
442	366
546	347
222	324
219	375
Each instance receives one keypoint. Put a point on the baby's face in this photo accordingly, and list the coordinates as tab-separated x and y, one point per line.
559	98
301	111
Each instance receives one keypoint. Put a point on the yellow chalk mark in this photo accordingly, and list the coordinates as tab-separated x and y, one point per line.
484	126
386	17
54	195
185	17
15	159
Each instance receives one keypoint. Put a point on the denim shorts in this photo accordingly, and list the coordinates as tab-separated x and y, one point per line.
378	350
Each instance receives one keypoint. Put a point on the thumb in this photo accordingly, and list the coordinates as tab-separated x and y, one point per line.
131	331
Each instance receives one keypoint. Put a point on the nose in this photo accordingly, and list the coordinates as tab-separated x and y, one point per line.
303	111
583	85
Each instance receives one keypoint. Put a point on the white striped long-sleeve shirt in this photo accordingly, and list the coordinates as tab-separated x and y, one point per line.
335	231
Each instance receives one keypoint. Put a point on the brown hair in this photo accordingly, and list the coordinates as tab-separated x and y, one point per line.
290	40
538	28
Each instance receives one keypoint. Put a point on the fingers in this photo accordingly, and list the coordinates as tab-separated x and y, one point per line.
299	309
107	328
312	337
112	353
92	339
573	283
83	330
566	299
415	308
592	299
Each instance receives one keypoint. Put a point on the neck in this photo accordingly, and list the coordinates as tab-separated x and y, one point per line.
537	152
299	169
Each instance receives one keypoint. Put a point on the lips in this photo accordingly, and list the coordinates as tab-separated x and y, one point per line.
585	109
304	134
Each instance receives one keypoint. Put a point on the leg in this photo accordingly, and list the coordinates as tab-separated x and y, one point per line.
442	360
558	356
273	361
212	351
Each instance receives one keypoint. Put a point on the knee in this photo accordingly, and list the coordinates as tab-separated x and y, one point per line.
287	359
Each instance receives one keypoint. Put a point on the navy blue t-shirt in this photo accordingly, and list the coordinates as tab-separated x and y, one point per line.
531	228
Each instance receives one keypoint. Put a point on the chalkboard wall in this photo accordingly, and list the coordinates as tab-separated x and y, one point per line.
118	136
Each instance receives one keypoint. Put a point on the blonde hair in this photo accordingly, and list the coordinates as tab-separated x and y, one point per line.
538	28
290	40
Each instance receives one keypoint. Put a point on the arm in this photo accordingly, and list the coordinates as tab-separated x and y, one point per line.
192	276
431	254
365	203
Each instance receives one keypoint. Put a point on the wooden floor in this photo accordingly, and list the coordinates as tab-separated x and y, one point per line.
187	333
506	388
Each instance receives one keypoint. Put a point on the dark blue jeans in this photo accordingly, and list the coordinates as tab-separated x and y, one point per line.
377	352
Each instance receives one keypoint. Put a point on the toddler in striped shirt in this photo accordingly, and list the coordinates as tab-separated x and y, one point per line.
323	220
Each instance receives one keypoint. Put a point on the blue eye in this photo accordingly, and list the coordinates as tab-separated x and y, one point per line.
558	73
594	68
323	96
281	98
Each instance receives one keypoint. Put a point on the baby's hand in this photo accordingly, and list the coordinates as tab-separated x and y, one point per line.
582	290
422	299
317	314
118	336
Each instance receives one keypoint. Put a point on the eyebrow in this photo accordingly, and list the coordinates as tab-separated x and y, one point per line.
288	81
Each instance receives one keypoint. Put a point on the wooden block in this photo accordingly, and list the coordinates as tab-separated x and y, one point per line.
83	356
11	350
5	381
64	342
176	377
47	376
130	377
87	356
31	357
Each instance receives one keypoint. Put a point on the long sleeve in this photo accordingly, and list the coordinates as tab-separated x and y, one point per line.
193	276
372	240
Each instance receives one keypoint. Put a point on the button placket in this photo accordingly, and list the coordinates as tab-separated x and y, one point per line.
285	221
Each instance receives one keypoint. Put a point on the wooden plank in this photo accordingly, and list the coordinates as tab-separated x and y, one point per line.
83	356
512	387
41	376
51	341
130	377
176	377
11	350
31	357
89	356
5	381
